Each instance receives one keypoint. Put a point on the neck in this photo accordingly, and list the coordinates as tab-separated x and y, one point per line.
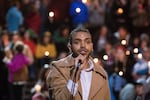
86	64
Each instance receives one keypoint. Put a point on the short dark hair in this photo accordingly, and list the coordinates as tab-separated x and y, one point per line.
19	48
78	29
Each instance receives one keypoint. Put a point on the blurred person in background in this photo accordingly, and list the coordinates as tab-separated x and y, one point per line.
144	42
134	43
142	87
38	96
45	50
139	16
17	71
120	17
128	92
14	17
96	13
5	38
4	42
60	37
100	38
139	88
44	7
144	45
28	40
107	57
122	70
122	33
140	68
33	19
15	38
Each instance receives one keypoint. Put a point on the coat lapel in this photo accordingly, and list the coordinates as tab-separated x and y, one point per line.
96	85
79	88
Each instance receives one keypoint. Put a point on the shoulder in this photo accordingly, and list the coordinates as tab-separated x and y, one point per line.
64	62
100	70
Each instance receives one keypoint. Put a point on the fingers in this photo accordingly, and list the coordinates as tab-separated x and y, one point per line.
80	59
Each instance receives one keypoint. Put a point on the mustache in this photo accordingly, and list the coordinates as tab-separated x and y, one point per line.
76	55
83	49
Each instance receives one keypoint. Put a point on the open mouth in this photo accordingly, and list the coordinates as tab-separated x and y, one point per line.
83	52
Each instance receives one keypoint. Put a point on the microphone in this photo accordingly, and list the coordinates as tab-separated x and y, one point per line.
74	76
79	63
77	68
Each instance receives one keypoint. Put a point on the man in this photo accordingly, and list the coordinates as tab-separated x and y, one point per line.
77	77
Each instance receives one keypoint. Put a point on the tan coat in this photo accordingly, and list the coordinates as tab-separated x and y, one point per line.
60	74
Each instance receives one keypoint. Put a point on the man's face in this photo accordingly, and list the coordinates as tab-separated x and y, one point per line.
139	89
81	44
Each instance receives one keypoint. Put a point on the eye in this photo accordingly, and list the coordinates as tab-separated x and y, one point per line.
76	42
88	41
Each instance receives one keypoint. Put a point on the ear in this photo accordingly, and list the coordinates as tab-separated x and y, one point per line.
69	47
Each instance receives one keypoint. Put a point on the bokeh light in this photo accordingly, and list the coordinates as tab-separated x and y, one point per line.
46	53
135	50
123	42
120	73
149	65
95	60
140	55
37	88
127	52
120	11
51	14
84	1
78	10
105	57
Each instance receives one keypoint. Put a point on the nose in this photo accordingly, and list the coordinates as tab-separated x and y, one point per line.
82	44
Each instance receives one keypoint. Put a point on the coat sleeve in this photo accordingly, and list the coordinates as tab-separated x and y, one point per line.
57	85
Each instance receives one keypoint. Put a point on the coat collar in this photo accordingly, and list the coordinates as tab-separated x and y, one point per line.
70	62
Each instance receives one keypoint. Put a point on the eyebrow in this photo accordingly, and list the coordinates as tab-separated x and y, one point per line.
84	39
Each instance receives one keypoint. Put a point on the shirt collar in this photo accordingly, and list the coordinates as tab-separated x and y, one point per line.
91	66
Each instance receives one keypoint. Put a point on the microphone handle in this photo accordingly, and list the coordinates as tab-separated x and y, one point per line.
76	70
74	78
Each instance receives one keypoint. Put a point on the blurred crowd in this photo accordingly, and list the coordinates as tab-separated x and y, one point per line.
31	37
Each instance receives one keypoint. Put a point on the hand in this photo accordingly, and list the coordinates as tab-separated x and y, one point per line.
76	74
83	61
